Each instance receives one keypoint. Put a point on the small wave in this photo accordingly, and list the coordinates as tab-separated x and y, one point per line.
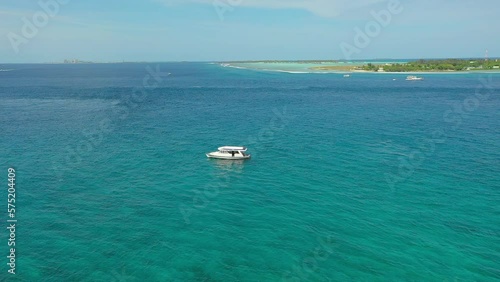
6	69
236	67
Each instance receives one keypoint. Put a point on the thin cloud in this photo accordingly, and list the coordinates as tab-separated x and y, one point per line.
323	8
14	13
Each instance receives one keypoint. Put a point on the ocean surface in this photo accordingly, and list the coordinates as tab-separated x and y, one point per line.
366	178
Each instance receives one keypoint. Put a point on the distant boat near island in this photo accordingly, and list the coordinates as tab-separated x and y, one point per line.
414	78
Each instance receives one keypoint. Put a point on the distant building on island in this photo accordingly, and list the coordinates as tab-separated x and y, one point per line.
76	61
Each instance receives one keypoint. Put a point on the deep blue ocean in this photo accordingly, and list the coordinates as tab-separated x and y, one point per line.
364	178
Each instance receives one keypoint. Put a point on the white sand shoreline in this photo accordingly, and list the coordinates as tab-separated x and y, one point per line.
309	71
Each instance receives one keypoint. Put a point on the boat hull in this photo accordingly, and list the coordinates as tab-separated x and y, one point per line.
414	78
227	157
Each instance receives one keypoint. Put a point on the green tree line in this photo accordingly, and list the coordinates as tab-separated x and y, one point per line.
436	65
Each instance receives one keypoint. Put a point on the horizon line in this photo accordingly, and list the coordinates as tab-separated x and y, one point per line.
243	60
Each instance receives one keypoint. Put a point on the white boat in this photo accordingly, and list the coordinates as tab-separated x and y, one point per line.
229	153
347	75
412	77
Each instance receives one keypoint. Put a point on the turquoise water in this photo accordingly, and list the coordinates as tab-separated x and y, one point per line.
359	179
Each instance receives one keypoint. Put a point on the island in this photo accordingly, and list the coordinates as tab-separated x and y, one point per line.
76	61
442	65
381	65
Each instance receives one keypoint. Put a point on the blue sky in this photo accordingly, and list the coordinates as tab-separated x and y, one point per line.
209	30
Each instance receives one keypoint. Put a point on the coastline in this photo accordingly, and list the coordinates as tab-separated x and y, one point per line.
295	67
